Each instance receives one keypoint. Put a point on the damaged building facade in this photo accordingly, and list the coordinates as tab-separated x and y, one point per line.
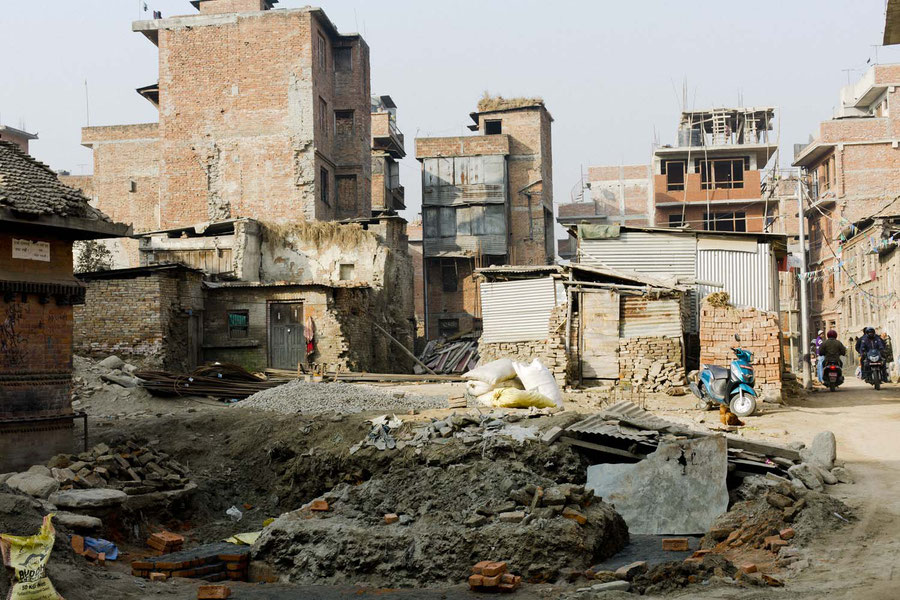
40	218
487	199
710	180
259	174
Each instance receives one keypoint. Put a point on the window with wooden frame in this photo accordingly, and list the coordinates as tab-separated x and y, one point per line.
449	276
676	221
323	116
674	170
730	221
238	324
322	50
722	173
324	192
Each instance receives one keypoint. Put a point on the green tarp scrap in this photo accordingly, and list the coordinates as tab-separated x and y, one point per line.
588	231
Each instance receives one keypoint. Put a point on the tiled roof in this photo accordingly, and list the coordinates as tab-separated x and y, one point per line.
31	187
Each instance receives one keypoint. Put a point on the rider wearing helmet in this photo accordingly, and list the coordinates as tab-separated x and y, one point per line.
868	342
832	349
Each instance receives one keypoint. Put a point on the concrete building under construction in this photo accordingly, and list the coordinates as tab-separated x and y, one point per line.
487	199
709	180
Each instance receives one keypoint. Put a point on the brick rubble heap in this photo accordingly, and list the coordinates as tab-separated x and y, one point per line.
651	364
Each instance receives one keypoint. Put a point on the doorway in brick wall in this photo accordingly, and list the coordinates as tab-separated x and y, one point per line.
287	344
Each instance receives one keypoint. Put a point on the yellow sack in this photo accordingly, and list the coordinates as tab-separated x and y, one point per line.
244	539
28	557
513	398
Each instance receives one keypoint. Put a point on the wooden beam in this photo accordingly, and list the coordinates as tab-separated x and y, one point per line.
600	448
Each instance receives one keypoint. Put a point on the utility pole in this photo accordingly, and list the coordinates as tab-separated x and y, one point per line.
804	286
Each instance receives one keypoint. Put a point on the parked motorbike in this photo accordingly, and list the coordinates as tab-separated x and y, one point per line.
873	368
732	387
832	375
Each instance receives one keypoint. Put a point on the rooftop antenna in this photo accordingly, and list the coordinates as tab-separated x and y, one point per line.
87	104
847	71
355	19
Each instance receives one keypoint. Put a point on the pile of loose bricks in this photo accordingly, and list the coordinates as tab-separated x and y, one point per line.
651	364
130	468
760	333
211	562
490	576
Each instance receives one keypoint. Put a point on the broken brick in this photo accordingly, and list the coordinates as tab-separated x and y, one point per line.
749	568
213	592
158	576
701	553
78	544
490	581
774	542
494	568
574	515
318	506
733	536
476	580
391	518
101	559
787	534
676	544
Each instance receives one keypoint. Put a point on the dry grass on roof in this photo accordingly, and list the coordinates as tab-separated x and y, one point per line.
488	102
319	233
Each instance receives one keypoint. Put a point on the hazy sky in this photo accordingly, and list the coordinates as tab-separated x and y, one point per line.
611	73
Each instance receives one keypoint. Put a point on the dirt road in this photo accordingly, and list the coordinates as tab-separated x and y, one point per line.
861	561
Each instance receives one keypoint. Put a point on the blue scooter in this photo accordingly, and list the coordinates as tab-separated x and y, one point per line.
731	387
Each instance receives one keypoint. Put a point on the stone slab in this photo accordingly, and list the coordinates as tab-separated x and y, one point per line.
92	498
678	489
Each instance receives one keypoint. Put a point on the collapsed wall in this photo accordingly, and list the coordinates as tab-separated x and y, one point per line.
759	331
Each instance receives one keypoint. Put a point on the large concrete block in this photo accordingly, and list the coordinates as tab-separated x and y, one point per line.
679	489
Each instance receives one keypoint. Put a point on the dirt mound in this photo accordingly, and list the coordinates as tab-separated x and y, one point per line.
312	398
450	518
672	576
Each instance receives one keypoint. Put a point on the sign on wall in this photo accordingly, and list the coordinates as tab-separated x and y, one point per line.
28	250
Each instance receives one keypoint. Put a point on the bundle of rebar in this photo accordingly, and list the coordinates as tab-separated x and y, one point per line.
224	381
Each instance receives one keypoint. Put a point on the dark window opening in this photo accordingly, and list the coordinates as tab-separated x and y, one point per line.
323	187
448	327
343	123
731	221
343	60
323	116
346	195
674	170
238	324
676	221
723	174
449	277
493	127
323	59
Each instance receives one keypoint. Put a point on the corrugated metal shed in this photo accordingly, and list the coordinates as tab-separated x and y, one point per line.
644	316
750	278
653	253
517	311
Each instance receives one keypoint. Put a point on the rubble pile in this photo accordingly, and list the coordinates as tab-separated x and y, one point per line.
109	380
131	468
445	515
317	398
453	356
211	562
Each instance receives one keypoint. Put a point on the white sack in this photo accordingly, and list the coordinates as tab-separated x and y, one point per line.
538	378
493	372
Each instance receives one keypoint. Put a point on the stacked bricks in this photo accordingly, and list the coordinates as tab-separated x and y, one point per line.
165	542
490	576
651	364
551	352
760	334
212	562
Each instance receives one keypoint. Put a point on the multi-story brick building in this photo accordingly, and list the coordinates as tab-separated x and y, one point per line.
262	113
39	220
388	196
852	172
709	180
486	199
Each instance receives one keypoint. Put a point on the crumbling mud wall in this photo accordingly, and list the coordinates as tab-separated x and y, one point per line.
373	254
760	333
551	352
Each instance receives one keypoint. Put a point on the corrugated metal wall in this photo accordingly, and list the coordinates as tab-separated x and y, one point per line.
517	311
647	317
748	276
658	254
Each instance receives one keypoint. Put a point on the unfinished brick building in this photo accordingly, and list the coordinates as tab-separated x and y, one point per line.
388	196
852	172
486	199
709	180
39	220
262	113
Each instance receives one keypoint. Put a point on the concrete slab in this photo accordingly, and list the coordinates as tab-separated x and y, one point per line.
679	489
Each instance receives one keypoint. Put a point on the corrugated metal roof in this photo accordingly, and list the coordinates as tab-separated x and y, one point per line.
601	425
517	311
633	414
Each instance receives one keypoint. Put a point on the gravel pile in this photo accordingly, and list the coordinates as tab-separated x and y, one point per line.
302	397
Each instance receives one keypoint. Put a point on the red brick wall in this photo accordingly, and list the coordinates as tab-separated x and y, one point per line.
462	146
613	187
227	6
463	304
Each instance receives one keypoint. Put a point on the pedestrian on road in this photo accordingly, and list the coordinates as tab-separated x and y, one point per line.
817	344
